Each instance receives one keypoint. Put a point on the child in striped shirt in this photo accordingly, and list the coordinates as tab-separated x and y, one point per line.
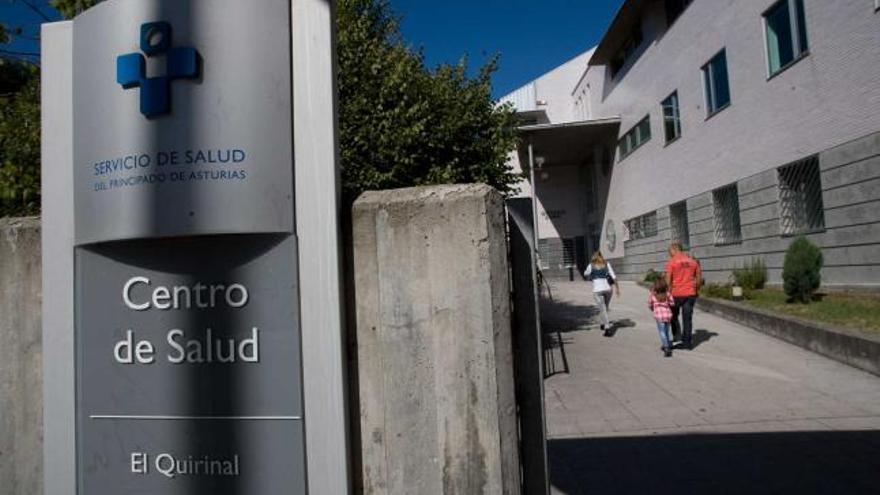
660	303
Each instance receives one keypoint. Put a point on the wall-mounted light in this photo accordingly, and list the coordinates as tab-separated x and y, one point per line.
539	162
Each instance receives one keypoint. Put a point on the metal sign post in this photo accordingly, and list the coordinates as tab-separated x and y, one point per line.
184	252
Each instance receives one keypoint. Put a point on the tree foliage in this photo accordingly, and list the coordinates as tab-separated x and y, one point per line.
19	138
801	270
402	124
70	8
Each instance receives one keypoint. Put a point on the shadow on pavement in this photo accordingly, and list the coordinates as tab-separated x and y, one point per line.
805	463
563	316
701	336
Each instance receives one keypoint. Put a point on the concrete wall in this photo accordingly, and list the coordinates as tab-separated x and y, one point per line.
437	406
828	98
850	242
21	387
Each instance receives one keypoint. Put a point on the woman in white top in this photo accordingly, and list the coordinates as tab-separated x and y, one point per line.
600	273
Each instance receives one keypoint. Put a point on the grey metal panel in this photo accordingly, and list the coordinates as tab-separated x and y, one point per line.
528	348
59	442
206	388
230	127
317	206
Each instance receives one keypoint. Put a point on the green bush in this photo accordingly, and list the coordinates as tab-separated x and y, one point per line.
752	276
801	272
718	291
652	276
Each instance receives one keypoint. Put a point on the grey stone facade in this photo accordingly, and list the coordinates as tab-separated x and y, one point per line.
850	240
824	104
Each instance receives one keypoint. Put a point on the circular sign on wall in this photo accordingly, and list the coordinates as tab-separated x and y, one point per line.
610	236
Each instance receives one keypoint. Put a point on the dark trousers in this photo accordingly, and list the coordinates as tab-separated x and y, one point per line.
684	306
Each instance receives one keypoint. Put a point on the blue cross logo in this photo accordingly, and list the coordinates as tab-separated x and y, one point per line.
180	63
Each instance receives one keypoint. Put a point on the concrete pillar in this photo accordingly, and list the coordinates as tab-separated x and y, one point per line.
436	388
21	377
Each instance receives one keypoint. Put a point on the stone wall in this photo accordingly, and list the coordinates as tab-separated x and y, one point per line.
437	405
850	239
21	387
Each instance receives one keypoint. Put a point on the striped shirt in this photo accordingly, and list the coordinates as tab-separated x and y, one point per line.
662	309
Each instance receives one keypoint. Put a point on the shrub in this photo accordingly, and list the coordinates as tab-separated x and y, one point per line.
752	276
652	276
718	291
801	272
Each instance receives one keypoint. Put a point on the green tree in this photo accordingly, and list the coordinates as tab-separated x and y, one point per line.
401	123
801	270
70	8
19	138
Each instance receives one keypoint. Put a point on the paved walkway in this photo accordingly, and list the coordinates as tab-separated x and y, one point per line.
741	413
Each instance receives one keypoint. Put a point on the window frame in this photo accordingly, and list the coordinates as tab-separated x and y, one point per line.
794	25
633	138
781	173
674	209
738	237
643	221
709	90
676	117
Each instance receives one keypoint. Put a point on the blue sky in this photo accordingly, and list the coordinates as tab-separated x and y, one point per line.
531	37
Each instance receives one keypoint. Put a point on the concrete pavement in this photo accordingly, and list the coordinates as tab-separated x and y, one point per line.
741	413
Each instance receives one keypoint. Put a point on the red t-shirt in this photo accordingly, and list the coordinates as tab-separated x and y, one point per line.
682	270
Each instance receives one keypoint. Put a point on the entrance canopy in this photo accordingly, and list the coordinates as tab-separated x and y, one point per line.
565	144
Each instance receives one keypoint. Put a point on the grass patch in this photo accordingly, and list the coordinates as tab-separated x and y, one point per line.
845	310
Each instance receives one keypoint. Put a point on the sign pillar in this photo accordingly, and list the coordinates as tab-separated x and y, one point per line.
192	314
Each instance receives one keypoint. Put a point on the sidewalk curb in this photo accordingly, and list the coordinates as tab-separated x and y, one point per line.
845	347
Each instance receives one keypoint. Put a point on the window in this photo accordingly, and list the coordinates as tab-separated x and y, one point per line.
544	254
786	27
642	227
635	137
727	223
556	253
568	252
674	8
716	84
671	117
800	197
678	223
626	51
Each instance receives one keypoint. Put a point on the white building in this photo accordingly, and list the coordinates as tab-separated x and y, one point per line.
731	125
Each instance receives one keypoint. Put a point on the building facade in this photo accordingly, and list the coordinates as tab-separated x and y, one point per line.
737	125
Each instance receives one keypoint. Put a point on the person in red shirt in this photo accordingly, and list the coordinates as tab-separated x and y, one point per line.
684	278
